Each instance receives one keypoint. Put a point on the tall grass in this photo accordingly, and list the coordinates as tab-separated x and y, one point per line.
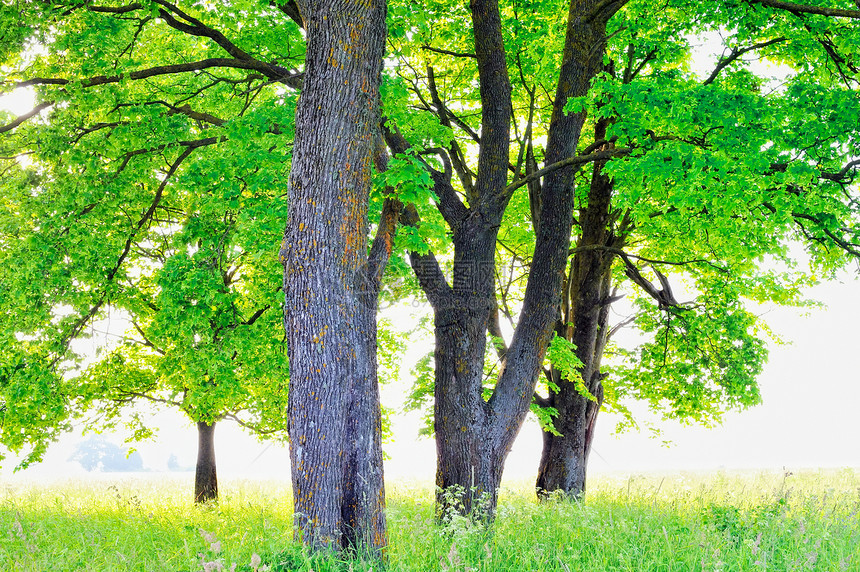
723	522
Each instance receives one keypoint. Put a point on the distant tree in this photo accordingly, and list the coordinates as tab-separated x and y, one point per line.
173	463
99	454
206	332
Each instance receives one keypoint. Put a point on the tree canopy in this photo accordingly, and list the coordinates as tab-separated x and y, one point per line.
153	190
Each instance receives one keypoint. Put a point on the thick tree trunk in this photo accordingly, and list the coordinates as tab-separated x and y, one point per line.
470	452
585	323
205	475
330	293
564	459
474	436
362	508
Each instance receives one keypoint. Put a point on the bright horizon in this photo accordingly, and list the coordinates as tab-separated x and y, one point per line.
808	419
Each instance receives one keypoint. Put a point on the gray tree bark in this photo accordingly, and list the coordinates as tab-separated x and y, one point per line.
330	284
584	322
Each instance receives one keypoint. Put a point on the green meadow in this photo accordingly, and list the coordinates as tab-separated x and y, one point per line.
680	522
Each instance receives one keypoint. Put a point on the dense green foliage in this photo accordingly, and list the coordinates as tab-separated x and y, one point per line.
152	197
728	522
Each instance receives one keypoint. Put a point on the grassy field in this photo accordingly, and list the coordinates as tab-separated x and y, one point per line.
722	522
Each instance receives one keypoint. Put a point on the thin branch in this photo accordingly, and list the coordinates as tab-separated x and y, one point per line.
96	127
620	325
250	426
457	158
577	161
193	144
83	320
648	57
849	247
735	53
146	341
196	115
448	52
624	254
129	394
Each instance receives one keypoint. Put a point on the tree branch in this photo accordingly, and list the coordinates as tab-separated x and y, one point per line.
604	10
807	9
448	53
256	316
540	400
196	115
22	118
425	266
839	176
735	53
494	328
289	77
664	296
291	9
249	425
849	247
835	176
457	157
193	144
115	10
449	204
578	161
496	104
383	241
127	395
624	254
146	341
83	320
195	27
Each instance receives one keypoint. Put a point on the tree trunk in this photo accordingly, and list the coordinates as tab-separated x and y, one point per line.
585	323
205	475
330	291
470	452
474	436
